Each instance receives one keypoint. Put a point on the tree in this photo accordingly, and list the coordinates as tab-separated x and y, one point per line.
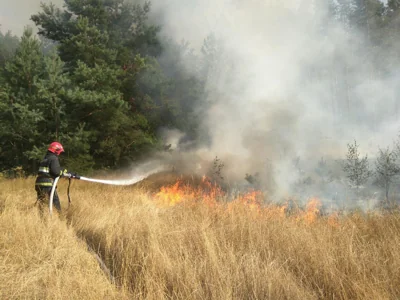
95	81
323	171
103	45
356	168
23	69
8	44
117	134
35	105
393	4
19	116
386	169
119	26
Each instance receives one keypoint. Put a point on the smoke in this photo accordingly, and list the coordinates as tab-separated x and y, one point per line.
286	82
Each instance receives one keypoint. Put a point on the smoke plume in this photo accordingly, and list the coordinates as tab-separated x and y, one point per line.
288	86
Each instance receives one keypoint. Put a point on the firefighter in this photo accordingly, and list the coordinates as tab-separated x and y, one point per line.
49	169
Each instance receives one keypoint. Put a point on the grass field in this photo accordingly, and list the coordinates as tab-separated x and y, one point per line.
177	242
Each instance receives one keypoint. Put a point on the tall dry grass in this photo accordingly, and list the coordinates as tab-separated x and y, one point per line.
191	250
43	258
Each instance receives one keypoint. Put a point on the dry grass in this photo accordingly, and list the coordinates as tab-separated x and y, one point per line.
43	259
190	250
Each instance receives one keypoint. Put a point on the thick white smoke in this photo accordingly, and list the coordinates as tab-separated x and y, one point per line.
287	82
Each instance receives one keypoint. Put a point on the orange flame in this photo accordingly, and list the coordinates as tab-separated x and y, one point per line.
210	193
172	195
275	211
311	212
180	192
251	200
333	220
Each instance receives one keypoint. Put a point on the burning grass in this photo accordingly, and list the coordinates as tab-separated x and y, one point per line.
188	242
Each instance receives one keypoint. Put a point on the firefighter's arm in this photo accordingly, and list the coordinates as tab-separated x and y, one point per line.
56	171
54	168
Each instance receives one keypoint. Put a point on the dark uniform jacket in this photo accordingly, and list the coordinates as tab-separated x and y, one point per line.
49	169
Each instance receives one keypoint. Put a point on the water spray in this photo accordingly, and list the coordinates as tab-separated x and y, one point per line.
130	181
116	182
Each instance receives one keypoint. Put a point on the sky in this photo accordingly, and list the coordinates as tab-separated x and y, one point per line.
15	14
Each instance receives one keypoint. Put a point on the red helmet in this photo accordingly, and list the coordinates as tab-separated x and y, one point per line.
56	148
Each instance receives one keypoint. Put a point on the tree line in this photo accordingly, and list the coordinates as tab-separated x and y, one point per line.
97	80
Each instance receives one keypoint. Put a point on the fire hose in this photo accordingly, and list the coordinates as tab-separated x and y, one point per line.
130	181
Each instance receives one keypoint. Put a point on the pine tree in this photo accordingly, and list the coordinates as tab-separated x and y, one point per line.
356	168
8	44
386	169
102	44
19	116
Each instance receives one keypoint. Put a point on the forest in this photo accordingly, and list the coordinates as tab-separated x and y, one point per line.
94	80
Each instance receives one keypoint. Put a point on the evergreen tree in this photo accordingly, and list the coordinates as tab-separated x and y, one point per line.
356	168
386	170
8	44
394	5
102	44
19	116
35	101
120	26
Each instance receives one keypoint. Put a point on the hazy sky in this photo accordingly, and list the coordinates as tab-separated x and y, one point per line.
15	14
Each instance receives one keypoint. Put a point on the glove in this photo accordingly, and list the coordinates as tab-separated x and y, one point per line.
67	175
75	176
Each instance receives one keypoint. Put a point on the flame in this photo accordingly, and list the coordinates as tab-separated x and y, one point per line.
251	200
172	195
333	220
179	192
276	211
211	194
311	212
